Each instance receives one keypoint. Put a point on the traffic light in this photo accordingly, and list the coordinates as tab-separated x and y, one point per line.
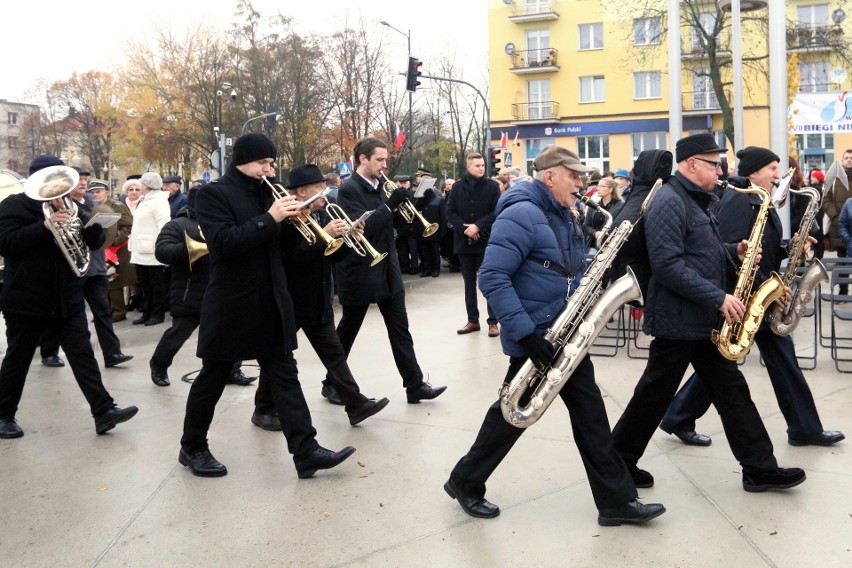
271	120
494	161
412	74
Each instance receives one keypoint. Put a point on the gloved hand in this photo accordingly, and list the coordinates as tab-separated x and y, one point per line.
540	350
428	195
397	197
93	236
739	181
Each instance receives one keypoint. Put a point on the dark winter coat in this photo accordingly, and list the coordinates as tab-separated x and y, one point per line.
433	211
177	202
472	201
357	282
525	296
246	312
187	286
38	279
736	214
594	220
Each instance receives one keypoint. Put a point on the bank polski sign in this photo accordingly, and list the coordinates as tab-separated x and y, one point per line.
822	112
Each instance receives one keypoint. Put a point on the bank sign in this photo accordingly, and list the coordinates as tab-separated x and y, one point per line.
822	112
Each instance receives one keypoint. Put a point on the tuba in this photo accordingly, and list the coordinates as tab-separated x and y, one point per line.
305	224
784	321
359	244
55	183
583	318
407	209
733	340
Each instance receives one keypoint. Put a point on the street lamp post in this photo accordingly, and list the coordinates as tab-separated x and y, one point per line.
410	136
217	130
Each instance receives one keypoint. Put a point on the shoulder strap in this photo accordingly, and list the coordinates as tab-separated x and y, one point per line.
550	265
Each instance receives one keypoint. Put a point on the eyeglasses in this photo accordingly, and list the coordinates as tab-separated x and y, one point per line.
716	165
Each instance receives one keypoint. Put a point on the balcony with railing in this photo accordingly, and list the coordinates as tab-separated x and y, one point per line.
813	39
534	61
805	87
544	112
694	50
702	102
531	11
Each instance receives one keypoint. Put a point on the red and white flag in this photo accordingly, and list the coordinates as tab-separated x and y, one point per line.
399	139
516	138
504	140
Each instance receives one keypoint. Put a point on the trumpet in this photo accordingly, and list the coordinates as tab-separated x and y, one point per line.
407	209
306	224
359	244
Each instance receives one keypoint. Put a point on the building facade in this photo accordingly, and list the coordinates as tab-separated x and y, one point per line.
18	132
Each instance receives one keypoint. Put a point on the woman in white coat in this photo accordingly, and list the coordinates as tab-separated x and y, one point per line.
151	214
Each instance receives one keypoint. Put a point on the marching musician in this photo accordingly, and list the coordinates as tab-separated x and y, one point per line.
737	213
310	285
360	284
41	293
535	251
246	311
685	294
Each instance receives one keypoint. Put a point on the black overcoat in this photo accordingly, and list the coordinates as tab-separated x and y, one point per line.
246	312
472	201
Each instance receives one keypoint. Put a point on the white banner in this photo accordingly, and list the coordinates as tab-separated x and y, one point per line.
822	112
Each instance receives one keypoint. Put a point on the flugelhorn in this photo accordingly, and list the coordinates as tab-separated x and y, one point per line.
196	249
306	224
407	209
359	244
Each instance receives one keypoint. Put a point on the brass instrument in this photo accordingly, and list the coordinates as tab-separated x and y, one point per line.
575	329
55	183
359	244
733	340
305	224
784	321
407	209
196	249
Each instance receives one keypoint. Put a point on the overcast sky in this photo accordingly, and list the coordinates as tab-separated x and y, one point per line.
50	40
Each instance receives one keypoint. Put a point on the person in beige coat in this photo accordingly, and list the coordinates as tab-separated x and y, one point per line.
834	197
151	215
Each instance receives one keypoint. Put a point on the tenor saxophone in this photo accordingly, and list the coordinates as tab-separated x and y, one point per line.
784	321
734	339
575	329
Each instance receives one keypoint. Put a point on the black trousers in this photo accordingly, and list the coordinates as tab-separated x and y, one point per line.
287	393
326	344
49	344
22	336
608	476
152	280
791	390
469	269
174	338
668	360
396	322
406	249
430	256
96	292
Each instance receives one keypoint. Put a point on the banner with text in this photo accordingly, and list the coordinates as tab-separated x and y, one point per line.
822	112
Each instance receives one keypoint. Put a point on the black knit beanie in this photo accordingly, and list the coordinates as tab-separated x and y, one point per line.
44	161
252	146
753	158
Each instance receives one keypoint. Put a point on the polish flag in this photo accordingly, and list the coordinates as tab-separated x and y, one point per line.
504	140
399	140
516	138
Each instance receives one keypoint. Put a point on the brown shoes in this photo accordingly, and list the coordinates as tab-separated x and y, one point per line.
468	328
493	330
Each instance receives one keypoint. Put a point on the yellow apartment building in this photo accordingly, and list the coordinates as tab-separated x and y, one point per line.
592	75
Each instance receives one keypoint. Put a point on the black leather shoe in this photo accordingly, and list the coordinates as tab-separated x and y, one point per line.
239	378
331	395
822	439
154	321
692	438
202	463
468	328
268	422
52	361
424	392
117	359
115	415
9	428
369	408
641	479
778	478
320	458
632	513
480	508
160	377
140	320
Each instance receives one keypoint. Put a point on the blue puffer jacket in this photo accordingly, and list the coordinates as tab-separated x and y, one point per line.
524	295
688	282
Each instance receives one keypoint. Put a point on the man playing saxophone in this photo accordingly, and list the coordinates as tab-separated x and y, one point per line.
736	216
535	252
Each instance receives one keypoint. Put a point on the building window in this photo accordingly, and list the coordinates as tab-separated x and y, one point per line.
537	7
533	147
13	118
591	36
592	89
648	141
816	151
814	76
538	97
594	151
538	44
813	16
647	85
646	31
703	95
707	22
13	141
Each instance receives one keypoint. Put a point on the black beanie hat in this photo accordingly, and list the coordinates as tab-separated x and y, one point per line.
44	161
252	146
753	158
